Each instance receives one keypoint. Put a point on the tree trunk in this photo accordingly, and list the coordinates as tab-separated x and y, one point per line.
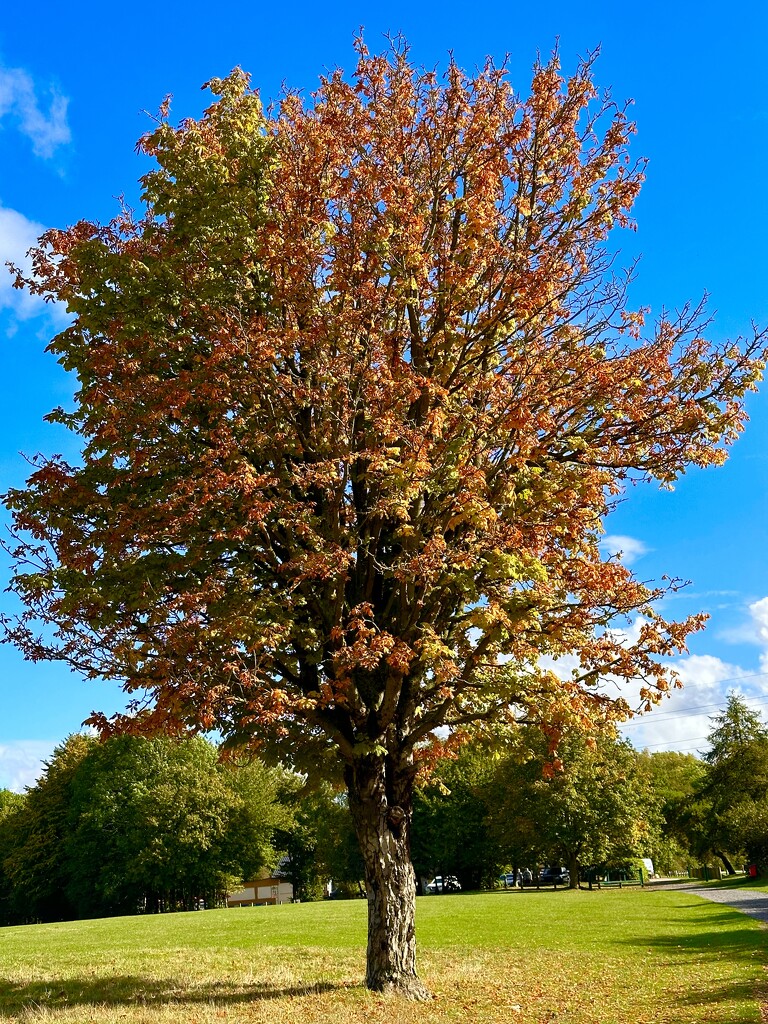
380	798
726	862
573	870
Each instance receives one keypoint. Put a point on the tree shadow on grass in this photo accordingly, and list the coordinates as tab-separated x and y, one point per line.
735	991
133	990
700	935
753	906
698	929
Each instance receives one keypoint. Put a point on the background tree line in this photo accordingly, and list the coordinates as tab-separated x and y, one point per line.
602	807
136	825
487	812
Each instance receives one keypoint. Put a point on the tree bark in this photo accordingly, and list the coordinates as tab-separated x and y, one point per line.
726	862
573	870
380	799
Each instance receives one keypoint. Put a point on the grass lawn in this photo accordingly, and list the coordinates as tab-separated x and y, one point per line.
625	956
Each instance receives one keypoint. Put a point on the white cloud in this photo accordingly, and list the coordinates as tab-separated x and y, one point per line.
629	549
17	236
564	667
703	674
21	762
759	612
684	719
754	630
19	103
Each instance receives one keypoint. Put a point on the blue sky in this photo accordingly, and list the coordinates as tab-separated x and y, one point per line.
76	79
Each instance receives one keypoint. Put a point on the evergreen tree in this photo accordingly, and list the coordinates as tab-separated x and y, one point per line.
732	808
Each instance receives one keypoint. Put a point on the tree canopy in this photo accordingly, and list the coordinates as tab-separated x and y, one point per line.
598	809
676	780
357	388
135	825
454	817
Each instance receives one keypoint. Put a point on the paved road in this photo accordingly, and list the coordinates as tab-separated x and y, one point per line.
755	904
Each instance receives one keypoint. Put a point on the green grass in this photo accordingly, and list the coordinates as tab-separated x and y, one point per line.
613	957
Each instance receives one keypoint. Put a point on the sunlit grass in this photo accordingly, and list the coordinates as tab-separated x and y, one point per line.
615	957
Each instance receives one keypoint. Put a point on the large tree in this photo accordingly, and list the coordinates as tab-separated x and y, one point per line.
596	809
675	780
33	840
356	390
134	824
731	812
156	824
319	843
452	814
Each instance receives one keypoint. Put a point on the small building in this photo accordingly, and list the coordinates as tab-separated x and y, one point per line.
262	892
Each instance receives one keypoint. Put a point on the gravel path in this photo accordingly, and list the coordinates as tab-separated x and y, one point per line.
755	904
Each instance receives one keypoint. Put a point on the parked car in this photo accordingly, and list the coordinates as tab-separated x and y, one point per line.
554	876
512	879
440	884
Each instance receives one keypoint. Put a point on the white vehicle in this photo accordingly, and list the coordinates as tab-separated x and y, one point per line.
440	884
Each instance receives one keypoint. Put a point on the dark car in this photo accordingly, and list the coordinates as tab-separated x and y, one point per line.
440	884
554	876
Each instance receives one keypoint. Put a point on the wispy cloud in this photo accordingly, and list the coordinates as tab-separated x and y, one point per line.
759	612
42	121
629	549
754	628
21	762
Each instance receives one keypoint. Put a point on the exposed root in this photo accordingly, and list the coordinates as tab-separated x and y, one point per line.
411	988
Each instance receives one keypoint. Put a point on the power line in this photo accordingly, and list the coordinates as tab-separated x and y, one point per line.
731	679
718	682
689	739
693	712
682	750
686	712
